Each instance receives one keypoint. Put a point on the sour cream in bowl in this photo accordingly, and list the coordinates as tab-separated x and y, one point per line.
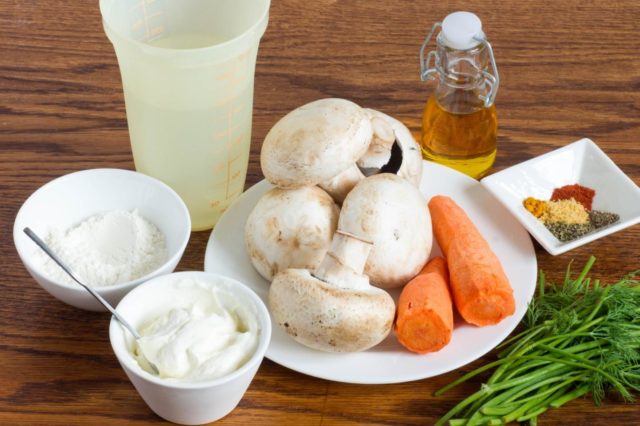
205	333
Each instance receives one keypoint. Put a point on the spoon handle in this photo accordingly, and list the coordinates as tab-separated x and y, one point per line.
60	263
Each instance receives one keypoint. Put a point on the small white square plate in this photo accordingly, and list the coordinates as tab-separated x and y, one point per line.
580	162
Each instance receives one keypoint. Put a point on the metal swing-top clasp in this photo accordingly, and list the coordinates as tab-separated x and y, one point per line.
427	71
431	65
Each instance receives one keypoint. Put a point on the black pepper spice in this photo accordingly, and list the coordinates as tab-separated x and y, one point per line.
601	219
569	231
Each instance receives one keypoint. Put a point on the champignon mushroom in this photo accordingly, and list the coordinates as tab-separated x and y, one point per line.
383	138
333	309
392	149
315	144
290	228
334	143
393	214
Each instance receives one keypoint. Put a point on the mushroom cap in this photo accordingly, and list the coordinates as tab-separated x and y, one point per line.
290	228
392	213
329	318
411	166
379	152
315	142
340	185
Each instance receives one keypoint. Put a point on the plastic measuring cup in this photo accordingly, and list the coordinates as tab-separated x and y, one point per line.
187	69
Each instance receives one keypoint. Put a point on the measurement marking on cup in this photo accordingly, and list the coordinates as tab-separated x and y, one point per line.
146	22
228	98
136	25
229	117
233	136
233	76
224	134
226	75
156	31
216	203
151	31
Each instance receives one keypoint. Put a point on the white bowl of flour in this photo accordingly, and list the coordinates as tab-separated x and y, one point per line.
115	228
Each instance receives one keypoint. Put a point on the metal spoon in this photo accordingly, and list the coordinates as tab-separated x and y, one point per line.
100	299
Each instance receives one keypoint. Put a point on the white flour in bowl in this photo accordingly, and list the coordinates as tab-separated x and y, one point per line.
106	249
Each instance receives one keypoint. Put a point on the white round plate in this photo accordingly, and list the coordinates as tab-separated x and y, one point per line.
389	362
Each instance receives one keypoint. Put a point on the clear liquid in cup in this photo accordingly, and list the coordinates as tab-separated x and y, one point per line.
187	70
201	151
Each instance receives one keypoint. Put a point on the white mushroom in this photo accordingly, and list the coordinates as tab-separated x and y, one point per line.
334	143
392	149
315	143
379	152
334	309
393	214
290	228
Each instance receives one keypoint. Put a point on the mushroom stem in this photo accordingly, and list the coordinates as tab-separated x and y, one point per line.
340	185
344	263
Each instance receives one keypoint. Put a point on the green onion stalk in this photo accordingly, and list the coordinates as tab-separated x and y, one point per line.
578	338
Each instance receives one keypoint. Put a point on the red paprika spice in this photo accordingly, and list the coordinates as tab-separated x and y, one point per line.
581	194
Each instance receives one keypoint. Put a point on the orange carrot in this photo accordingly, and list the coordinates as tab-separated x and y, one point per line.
480	288
425	313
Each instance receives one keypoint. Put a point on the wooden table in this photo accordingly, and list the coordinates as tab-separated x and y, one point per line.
569	70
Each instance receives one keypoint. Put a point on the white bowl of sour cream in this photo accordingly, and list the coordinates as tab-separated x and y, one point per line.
207	335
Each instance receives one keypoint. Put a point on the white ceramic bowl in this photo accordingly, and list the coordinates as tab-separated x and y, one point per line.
580	162
185	402
69	199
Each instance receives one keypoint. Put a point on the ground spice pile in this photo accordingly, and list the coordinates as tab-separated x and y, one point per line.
569	215
580	193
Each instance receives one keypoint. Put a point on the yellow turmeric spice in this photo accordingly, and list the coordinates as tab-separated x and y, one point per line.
534	206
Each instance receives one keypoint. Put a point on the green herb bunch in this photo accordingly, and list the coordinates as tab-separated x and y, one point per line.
579	337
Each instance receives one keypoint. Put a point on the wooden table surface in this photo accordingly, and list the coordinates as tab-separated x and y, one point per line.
569	70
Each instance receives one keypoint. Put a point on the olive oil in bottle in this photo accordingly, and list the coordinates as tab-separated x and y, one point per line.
465	142
459	122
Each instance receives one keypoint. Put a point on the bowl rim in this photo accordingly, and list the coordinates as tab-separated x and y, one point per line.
30	265
128	363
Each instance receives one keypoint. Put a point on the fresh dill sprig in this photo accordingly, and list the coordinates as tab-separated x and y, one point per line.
579	337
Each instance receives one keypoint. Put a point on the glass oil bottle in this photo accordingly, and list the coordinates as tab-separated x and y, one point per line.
459	122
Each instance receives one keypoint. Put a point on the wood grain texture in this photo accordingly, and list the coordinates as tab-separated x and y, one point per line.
569	69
